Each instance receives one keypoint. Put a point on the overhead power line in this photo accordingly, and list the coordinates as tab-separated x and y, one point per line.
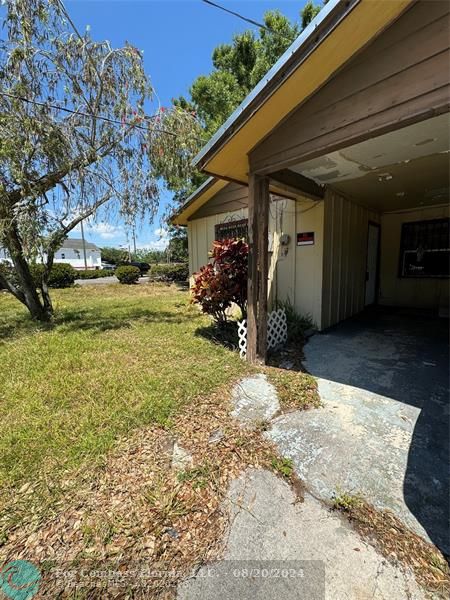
100	117
246	19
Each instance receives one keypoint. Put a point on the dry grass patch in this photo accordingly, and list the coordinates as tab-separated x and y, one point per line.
91	408
117	358
137	512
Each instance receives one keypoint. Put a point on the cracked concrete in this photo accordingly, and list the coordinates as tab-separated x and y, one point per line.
358	443
318	551
254	400
383	430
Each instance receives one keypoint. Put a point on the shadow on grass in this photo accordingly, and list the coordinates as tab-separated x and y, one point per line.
95	321
225	335
17	327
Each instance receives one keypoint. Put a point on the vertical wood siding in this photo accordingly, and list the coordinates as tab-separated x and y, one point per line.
295	276
404	75
345	251
308	261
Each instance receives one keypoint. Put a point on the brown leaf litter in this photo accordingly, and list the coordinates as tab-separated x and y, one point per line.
397	543
136	527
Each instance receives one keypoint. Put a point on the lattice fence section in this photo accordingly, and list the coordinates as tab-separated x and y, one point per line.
276	330
242	334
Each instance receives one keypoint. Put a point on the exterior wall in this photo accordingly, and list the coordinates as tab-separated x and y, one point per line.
396	291
201	236
345	257
76	258
308	261
295	273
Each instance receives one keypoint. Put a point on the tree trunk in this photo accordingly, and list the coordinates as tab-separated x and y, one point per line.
48	306
38	310
29	296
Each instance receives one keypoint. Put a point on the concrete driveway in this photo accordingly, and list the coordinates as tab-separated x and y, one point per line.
384	429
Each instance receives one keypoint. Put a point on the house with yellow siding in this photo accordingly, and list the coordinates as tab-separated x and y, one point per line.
341	152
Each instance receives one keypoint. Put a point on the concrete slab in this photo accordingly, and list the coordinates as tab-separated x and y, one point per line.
254	399
384	428
321	555
358	442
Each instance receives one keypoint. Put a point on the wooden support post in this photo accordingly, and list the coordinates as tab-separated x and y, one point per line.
258	268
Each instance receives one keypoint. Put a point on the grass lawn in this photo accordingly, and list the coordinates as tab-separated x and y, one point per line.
91	409
117	357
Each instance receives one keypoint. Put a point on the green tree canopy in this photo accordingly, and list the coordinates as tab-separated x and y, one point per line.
237	67
75	139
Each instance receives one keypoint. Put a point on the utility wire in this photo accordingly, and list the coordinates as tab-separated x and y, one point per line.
100	117
247	20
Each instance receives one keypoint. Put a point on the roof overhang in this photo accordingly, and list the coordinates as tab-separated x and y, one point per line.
202	194
293	187
340	30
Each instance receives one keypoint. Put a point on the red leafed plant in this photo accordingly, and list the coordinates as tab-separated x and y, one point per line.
223	281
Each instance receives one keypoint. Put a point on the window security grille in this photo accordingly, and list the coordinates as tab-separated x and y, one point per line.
425	249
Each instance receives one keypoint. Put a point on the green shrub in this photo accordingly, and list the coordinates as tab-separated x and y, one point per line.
171	272
97	274
223	282
127	274
296	324
61	275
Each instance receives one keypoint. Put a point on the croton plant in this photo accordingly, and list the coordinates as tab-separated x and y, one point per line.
223	281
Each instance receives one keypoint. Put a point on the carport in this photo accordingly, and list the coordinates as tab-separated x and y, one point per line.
386	221
384	429
354	117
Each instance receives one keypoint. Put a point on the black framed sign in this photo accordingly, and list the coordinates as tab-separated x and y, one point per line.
305	238
232	230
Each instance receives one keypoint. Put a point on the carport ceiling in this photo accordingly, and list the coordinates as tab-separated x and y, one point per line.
402	169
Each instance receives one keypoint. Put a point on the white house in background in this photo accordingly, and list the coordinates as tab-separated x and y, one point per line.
72	253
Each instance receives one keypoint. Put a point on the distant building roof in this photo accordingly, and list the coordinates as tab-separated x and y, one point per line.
77	244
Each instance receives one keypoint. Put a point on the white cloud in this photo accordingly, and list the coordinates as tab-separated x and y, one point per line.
161	232
105	230
155	245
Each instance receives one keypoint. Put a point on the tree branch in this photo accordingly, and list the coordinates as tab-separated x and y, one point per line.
47	182
5	283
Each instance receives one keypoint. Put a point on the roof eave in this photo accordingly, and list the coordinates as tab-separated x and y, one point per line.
319	28
175	217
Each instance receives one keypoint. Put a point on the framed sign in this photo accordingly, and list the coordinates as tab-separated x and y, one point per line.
305	238
232	230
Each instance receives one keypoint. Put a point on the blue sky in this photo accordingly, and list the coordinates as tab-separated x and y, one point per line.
177	37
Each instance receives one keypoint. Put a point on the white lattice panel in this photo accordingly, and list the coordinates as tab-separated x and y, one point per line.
276	330
242	334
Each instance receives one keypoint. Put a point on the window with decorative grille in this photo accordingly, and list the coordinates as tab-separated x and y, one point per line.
425	249
232	230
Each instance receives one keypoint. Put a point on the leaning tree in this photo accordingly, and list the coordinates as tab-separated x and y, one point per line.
77	139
